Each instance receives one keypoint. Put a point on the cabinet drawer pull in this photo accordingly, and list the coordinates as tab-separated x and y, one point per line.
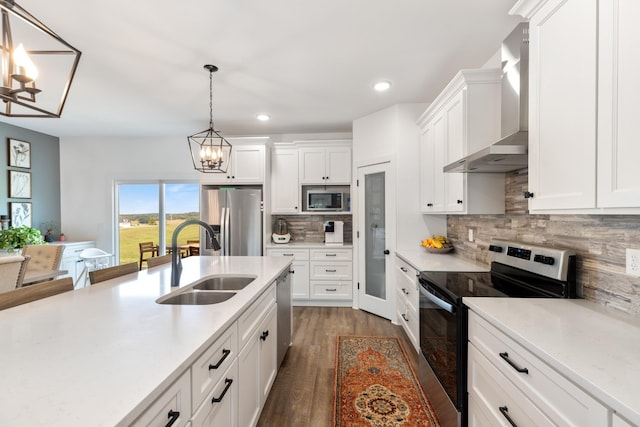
505	356
331	290
287	254
330	254
225	353
405	317
404	269
330	271
173	417
264	335
228	382
404	291
505	413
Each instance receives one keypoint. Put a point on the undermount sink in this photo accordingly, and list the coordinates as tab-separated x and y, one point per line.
224	283
196	298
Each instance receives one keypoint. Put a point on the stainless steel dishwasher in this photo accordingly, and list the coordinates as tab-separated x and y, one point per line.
283	298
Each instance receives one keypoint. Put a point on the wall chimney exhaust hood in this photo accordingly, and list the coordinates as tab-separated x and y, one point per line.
509	153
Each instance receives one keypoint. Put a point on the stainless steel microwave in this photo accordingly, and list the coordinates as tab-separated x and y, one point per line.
320	200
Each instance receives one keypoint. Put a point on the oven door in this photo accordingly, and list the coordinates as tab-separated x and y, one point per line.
441	323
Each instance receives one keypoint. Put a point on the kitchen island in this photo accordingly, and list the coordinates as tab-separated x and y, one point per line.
98	356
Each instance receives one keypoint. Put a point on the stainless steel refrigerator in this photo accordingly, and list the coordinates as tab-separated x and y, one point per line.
236	214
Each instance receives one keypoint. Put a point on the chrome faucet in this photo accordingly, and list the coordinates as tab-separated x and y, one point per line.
176	260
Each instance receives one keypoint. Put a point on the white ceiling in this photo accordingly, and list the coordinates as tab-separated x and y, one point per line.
309	64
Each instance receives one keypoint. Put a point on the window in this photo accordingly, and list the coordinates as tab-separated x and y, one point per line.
150	212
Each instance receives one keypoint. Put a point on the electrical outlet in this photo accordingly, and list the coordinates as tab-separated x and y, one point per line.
633	262
471	234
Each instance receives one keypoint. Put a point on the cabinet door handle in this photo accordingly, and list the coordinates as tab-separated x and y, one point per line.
228	382
264	335
459	201
173	417
329	271
505	356
405	317
527	195
404	269
505	413
404	291
225	353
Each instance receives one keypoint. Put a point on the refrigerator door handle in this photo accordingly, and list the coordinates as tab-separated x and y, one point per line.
223	231
227	247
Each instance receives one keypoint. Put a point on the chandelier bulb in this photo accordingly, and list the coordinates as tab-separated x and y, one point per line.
24	65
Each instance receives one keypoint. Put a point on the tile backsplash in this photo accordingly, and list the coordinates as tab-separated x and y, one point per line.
310	228
600	242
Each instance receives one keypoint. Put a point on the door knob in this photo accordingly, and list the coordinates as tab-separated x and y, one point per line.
386	252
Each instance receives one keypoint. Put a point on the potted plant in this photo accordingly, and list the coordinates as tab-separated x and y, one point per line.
17	237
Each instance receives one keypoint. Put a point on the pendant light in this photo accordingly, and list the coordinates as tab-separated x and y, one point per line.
37	65
210	152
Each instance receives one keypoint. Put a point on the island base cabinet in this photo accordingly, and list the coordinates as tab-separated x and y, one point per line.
174	403
258	367
221	406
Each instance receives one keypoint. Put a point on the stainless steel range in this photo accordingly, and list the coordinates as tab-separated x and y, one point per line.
517	270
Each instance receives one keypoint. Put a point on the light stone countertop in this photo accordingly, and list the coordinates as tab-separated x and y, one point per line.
595	347
307	245
422	260
99	355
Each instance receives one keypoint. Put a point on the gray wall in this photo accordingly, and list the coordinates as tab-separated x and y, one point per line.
600	242
45	174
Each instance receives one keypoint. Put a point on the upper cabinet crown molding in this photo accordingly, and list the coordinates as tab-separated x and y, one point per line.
527	8
462	79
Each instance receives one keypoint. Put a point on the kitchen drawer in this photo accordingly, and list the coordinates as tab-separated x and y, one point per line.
220	407
406	269
556	396
498	397
176	399
208	369
331	270
331	254
252	317
408	318
296	254
331	290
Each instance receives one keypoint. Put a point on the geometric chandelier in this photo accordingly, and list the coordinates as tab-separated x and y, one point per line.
38	66
210	152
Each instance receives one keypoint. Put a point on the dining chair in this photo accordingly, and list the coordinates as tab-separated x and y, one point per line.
112	272
12	269
158	260
43	257
194	247
147	248
35	292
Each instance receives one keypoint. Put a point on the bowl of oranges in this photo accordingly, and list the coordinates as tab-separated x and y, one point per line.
437	245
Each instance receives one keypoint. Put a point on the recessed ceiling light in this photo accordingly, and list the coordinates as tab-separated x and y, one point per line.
263	117
382	86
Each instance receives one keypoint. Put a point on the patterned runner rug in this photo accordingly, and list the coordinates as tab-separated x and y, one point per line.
376	386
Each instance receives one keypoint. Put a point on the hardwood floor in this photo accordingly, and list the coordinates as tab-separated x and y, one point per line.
302	394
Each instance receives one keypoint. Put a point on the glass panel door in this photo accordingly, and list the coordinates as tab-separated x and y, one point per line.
138	218
374	226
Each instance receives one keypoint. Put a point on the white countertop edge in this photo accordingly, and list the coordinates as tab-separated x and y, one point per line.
422	260
564	358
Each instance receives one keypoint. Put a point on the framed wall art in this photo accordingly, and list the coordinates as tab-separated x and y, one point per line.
19	153
20	213
19	184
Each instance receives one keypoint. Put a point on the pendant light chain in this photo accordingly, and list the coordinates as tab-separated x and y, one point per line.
211	99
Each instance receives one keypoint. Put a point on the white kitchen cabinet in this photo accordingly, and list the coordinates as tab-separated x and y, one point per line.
504	374
247	167
582	145
300	269
407	301
220	407
258	367
463	119
330	164
174	403
71	259
285	189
